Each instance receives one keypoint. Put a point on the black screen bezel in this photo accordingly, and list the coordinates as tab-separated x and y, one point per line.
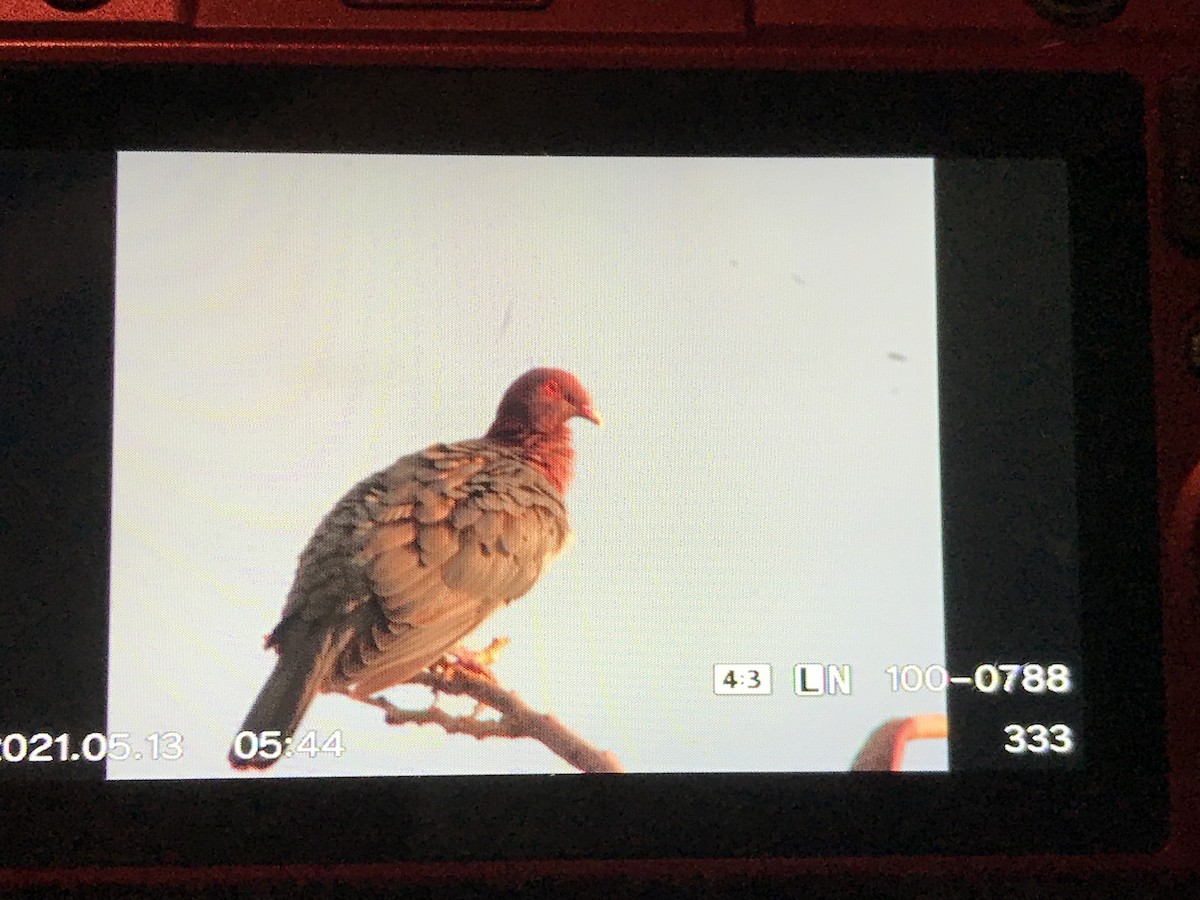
1117	801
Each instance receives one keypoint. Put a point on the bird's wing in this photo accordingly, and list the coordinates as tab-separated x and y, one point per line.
425	551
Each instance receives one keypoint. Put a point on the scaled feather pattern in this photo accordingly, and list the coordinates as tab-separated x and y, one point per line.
415	557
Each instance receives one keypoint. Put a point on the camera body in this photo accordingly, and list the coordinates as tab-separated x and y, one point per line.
1156	42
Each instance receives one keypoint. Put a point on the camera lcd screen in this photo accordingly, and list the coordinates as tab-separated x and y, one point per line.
849	512
759	335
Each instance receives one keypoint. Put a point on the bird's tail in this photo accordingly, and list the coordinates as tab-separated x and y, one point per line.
286	696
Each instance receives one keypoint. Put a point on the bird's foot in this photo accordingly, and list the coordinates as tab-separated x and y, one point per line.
476	662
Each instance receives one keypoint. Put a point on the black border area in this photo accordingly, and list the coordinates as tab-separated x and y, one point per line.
1007	396
57	233
1093	122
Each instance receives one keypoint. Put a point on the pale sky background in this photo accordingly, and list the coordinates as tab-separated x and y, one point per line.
759	335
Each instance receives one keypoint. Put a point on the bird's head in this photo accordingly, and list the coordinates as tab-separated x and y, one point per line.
542	401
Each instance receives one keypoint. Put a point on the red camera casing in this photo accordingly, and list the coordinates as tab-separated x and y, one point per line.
1155	41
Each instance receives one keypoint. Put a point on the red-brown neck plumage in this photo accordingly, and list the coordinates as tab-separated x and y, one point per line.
550	452
533	417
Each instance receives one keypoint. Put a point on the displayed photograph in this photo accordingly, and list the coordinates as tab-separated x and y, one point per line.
455	465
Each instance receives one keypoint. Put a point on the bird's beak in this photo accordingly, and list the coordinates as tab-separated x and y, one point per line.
590	414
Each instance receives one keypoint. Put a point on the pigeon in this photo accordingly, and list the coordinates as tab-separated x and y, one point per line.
415	557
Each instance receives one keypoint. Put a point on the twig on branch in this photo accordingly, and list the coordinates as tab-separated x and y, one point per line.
517	718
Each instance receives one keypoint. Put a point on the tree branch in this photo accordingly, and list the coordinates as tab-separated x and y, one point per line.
517	718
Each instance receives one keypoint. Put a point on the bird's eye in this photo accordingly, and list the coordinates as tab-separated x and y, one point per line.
551	388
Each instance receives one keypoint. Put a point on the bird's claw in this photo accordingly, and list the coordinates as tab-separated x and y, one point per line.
475	662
